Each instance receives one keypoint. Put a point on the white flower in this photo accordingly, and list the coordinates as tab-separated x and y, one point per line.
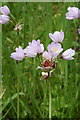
5	10
18	55
30	52
4	19
57	36
54	49
34	48
68	54
46	55
73	13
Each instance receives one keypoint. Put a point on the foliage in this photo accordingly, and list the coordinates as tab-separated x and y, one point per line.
39	20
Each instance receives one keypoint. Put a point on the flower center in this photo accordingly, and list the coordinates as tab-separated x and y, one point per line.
55	50
48	64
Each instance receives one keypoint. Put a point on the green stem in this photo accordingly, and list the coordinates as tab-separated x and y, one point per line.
49	100
18	38
18	91
75	23
34	82
66	77
18	109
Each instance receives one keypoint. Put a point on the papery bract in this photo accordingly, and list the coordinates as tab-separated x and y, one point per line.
4	10
18	27
4	19
47	65
73	13
18	55
57	36
68	54
44	75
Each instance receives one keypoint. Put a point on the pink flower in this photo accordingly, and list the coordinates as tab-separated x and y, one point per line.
34	48
73	13
18	55
39	48
4	10
67	55
4	19
30	52
47	55
57	36
54	49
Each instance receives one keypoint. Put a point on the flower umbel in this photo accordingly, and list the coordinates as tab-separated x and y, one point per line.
49	58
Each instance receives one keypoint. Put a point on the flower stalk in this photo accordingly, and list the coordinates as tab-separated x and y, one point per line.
49	100
18	90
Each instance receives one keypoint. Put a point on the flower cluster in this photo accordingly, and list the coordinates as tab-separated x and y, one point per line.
49	57
4	18
54	49
31	50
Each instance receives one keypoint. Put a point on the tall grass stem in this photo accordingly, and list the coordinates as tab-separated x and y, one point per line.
49	100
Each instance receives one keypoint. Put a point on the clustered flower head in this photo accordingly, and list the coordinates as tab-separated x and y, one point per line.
49	57
4	18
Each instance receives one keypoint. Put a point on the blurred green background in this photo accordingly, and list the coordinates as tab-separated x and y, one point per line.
39	19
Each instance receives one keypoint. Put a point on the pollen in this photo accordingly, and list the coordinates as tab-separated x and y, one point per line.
55	50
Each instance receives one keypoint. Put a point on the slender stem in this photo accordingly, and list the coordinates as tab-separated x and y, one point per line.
75	23
18	91
18	79
66	78
49	100
18	38
34	76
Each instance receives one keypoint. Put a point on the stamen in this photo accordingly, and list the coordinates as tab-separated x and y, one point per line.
55	50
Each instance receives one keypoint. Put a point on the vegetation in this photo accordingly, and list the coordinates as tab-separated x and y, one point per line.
24	95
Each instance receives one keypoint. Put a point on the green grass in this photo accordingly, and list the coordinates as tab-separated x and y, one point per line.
25	96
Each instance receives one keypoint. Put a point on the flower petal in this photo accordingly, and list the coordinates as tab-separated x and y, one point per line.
4	19
57	36
5	10
67	55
